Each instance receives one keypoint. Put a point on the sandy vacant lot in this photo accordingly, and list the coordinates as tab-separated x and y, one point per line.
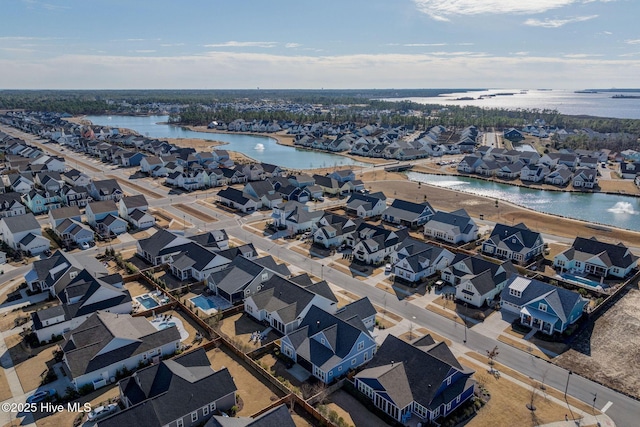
255	394
610	350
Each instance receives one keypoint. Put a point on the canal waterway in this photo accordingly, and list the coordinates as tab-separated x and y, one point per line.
609	209
258	147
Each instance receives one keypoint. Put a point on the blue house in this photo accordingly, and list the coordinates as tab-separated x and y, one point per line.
513	135
422	379
540	305
328	346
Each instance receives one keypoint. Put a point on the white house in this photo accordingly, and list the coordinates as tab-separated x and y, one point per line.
23	233
590	256
454	227
106	342
414	260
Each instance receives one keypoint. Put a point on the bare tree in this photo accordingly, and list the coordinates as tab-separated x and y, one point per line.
492	354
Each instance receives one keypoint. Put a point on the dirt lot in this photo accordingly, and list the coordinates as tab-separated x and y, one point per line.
239	328
5	391
255	394
137	288
65	418
507	404
353	412
29	363
608	353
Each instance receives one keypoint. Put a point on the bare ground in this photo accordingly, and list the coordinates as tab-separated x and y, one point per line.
608	351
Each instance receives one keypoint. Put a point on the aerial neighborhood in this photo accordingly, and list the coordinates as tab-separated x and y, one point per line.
176	287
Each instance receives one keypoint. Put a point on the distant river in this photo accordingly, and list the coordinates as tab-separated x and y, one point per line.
260	148
599	104
618	211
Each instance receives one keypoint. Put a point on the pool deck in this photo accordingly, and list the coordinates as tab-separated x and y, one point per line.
160	319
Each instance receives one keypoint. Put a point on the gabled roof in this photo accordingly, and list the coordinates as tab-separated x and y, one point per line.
65	212
517	238
616	255
561	300
170	390
83	346
340	335
105	206
136	201
408	211
21	223
421	375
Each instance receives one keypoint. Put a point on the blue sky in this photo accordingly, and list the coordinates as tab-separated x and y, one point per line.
129	44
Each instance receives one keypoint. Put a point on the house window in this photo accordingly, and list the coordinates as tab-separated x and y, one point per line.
468	286
265	276
353	362
449	381
542	307
322	341
361	345
339	368
194	416
212	406
205	411
179	423
514	293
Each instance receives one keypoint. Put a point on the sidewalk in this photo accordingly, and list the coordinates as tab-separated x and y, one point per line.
576	417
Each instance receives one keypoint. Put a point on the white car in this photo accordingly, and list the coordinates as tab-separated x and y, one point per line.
102	412
85	245
387	268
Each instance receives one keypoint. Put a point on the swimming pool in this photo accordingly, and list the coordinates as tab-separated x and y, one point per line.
166	325
147	301
204	303
581	280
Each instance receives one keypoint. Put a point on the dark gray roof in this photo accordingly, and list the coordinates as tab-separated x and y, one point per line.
340	334
424	371
615	255
136	201
276	417
361	308
561	300
159	241
83	345
170	390
408	211
517	238
237	275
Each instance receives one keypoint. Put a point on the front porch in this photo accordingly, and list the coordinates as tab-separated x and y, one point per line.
537	319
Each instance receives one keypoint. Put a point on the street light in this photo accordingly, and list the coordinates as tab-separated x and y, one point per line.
465	323
321	271
567	386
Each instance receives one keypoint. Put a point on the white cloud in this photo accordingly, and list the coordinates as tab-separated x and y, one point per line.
144	51
521	53
171	44
582	55
234	43
292	45
424	44
441	10
557	23
225	69
636	41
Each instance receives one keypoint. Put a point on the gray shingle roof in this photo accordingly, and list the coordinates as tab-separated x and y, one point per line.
170	390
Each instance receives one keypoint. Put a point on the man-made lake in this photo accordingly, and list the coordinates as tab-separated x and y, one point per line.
614	210
260	148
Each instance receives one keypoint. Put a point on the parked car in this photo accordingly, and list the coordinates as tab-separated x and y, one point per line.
102	412
85	245
387	268
41	395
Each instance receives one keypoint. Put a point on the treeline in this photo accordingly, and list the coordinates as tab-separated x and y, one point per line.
335	106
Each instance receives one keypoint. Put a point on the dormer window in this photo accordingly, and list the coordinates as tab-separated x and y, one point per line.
515	293
542	307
